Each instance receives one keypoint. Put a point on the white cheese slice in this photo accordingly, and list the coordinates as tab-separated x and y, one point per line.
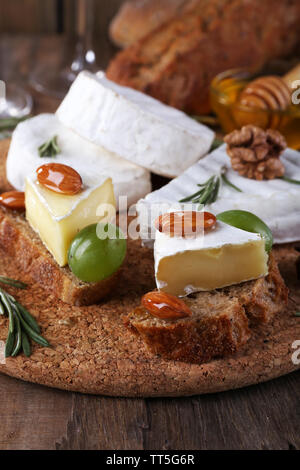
92	162
276	202
218	258
134	125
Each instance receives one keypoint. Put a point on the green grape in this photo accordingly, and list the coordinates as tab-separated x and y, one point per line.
247	221
93	259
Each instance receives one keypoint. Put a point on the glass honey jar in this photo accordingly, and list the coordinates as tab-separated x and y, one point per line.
225	94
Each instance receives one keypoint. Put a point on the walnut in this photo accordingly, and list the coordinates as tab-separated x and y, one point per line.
255	153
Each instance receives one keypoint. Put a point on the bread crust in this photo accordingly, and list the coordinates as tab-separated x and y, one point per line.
200	339
265	297
137	18
176	62
217	336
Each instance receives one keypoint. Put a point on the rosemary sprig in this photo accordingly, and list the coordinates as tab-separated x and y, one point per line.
13	282
208	194
216	144
22	325
226	181
206	119
11	123
297	314
289	180
49	148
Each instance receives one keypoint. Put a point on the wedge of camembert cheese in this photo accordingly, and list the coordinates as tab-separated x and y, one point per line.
276	202
134	125
91	161
57	218
218	258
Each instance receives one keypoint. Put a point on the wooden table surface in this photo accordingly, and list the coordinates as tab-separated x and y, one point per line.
265	416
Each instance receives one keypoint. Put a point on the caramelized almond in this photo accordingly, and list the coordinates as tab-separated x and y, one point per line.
185	224
14	200
59	178
165	306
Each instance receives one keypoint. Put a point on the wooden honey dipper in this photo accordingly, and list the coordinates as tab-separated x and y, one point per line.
270	93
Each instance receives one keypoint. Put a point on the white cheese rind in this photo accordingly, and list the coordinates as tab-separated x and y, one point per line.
276	202
92	162
134	125
222	236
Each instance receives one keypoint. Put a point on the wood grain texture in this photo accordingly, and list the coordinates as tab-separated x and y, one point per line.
261	417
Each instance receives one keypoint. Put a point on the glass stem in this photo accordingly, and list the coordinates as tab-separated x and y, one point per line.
85	57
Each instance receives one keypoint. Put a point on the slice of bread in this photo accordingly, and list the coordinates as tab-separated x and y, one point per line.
26	248
220	323
24	245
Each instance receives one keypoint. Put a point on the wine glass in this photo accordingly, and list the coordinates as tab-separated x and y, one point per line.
56	82
15	102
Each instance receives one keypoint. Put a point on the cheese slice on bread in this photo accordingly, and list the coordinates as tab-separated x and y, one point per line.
58	218
25	247
217	258
220	321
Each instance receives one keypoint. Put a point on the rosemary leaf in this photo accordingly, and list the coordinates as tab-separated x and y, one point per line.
9	346
206	119
192	197
289	180
33	335
49	148
12	282
215	192
203	185
209	192
297	314
18	344
206	196
26	344
8	307
228	183
11	123
216	144
30	320
22	325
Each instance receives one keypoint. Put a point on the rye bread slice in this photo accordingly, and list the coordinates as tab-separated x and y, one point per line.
27	250
220	323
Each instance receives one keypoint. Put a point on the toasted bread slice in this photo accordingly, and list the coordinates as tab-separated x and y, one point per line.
262	298
220	323
24	245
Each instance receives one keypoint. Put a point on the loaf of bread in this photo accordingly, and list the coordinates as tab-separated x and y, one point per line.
221	322
137	18
176	62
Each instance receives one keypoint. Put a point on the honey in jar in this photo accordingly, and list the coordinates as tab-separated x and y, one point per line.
240	98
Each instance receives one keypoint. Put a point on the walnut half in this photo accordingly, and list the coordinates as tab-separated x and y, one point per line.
255	153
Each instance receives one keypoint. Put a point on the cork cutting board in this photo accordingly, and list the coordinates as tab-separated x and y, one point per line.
93	353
